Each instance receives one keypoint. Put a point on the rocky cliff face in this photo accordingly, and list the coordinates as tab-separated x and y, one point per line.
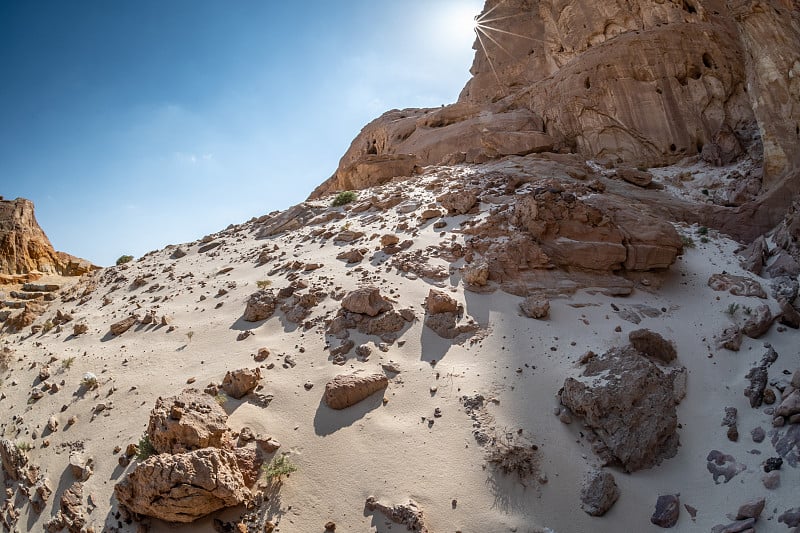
644	82
24	247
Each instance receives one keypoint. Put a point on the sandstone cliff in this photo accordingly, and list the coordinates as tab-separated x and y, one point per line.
24	247
644	82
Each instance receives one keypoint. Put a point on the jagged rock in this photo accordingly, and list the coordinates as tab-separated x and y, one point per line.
189	421
446	325
249	462
791	517
458	202
739	526
476	274
730	338
14	461
790	405
354	255
736	285
71	508
238	383
24	247
348	389
535	307
599	492
365	300
183	487
653	345
118	328
758	376
409	515
438	302
789	315
630	404
754	256
389	239
668	509
80	466
759	322
260	306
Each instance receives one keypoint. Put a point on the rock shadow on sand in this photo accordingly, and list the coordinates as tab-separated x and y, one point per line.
328	421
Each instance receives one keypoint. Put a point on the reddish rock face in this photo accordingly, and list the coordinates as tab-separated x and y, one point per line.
24	247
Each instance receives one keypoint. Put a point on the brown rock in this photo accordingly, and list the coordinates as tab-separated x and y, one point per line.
751	509
365	300
409	515
598	493
348	389
389	239
759	323
535	307
24	247
189	421
476	274
439	302
736	285
183	487
260	306
79	329
789	315
635	177
458	202
118	328
668	509
631	408
238	383
653	345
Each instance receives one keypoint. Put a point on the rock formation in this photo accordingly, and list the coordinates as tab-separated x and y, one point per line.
645	83
24	247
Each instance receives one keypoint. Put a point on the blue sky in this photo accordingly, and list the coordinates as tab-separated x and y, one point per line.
133	125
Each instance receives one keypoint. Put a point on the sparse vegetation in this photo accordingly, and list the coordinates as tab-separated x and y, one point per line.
688	242
124	259
704	240
344	197
24	446
145	448
732	308
221	398
67	363
280	466
189	335
263	283
47	326
747	310
513	456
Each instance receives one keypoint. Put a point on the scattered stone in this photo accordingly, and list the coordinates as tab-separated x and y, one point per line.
409	515
759	322
438	302
118	328
365	300
751	509
668	508
238	383
189	421
599	492
535	307
260	306
348	389
772	480
758	434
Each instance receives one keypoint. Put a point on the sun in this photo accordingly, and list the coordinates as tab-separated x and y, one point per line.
458	21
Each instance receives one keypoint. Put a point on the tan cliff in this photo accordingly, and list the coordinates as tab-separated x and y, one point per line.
25	249
642	83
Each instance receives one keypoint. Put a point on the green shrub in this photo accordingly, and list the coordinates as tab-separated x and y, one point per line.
66	363
278	467
145	448
732	308
702	230
24	446
688	242
124	259
263	283
344	197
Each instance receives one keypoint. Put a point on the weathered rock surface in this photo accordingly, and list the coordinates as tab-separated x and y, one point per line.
183	487
630	404
653	345
238	383
365	300
25	248
535	307
409	515
118	328
189	421
599	492
439	302
668	509
260	306
348	389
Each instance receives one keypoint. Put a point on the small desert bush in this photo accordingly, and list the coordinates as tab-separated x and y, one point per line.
263	283
221	398
732	308
688	242
124	259
702	230
512	456
280	466
344	197
66	363
47	326
24	446
145	448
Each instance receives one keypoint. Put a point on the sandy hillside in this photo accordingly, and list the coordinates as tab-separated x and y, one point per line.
427	436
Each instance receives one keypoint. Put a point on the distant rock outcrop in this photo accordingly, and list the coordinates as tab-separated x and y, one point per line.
25	249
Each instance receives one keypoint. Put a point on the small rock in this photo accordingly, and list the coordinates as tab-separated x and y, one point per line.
599	492
668	508
750	509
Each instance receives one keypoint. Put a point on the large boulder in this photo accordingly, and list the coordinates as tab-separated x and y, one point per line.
366	301
189	421
183	487
630	404
348	389
653	345
439	302
260	306
238	383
